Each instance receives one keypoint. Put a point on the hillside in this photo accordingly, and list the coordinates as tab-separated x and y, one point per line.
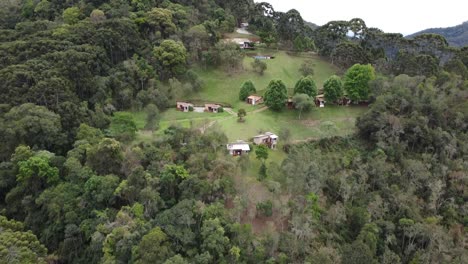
136	132
456	36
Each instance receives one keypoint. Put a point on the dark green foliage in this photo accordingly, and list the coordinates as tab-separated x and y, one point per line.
171	57
307	68
265	208
18	246
241	114
333	89
261	152
123	127
247	89
393	193
306	85
346	54
152	116
276	95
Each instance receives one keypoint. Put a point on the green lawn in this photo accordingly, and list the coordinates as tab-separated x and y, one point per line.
311	125
223	88
173	117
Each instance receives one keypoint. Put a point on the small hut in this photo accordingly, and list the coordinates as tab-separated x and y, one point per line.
238	148
320	100
212	108
254	99
184	106
268	139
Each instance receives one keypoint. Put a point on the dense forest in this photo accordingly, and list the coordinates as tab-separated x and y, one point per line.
76	189
456	36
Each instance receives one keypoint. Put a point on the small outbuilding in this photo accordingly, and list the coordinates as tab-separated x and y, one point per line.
290	103
320	100
212	108
184	106
268	139
254	99
238	148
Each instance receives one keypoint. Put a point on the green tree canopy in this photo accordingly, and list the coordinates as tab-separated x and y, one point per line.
154	247
261	152
171	57
18	246
333	89
276	95
356	81
71	15
302	102
247	89
306	85
259	66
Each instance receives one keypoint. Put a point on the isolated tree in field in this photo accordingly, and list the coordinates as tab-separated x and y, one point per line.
306	85
248	88
333	89
276	95
307	68
262	153
259	66
356	81
302	102
241	114
171	57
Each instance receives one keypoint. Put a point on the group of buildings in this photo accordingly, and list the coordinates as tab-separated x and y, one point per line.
241	147
187	107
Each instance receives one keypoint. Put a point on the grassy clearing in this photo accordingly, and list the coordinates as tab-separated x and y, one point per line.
224	88
173	117
311	125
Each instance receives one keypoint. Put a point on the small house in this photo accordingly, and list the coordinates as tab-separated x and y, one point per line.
212	108
254	99
184	107
320	100
269	139
238	148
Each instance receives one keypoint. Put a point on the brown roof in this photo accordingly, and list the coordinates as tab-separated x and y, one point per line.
256	97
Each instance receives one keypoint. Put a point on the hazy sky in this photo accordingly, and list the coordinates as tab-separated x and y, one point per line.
402	16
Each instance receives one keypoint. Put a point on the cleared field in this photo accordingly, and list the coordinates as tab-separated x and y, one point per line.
318	123
224	88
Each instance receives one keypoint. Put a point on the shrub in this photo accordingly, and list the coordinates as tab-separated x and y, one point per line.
190	108
265	208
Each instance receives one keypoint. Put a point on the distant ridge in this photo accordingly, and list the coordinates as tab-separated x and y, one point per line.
456	36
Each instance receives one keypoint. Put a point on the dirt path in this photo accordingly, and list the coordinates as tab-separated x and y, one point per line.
258	110
211	123
229	110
